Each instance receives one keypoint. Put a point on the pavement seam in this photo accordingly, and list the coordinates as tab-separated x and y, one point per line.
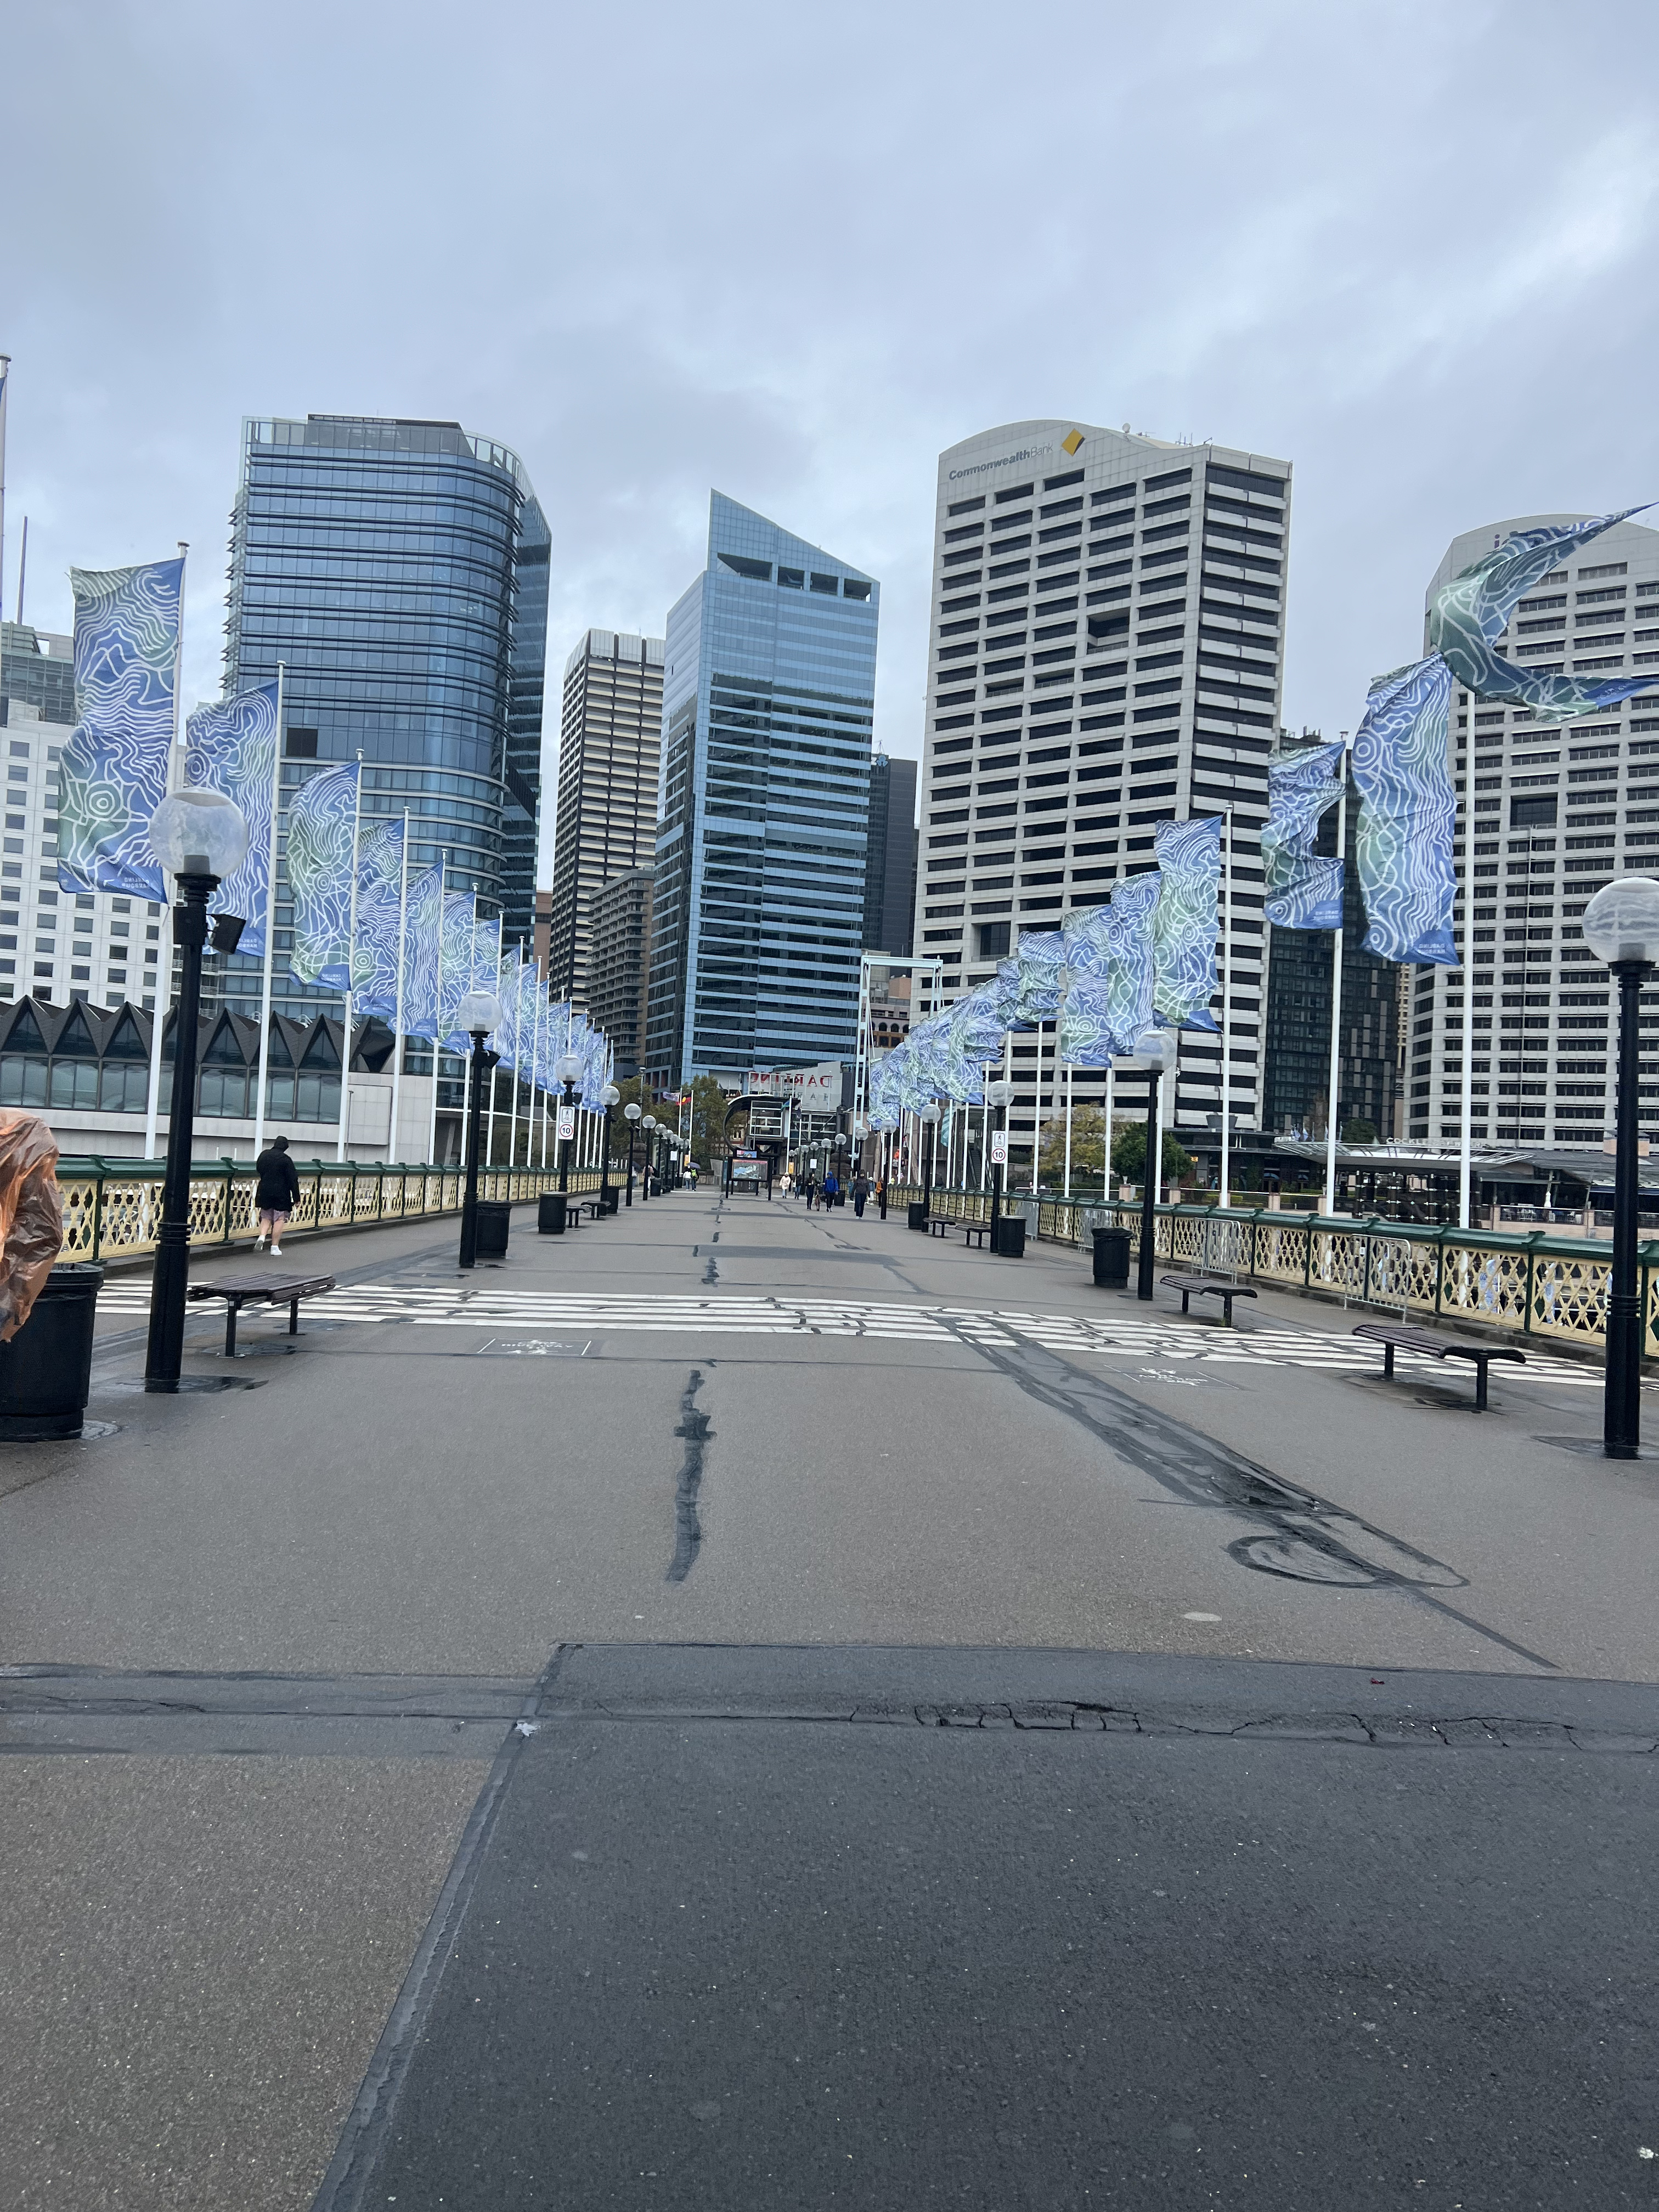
363	2136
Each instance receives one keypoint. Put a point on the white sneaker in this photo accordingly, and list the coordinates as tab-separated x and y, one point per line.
259	1242
275	1251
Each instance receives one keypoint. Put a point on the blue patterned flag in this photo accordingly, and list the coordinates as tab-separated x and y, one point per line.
1124	964
379	891
231	747
1408	813
1469	614
1041	957
115	771
1305	889
1186	922
321	825
420	940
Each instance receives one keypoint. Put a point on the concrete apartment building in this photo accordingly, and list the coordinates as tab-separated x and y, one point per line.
610	748
1547	813
619	966
1107	614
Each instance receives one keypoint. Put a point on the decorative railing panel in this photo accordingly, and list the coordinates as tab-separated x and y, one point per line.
1538	1284
112	1208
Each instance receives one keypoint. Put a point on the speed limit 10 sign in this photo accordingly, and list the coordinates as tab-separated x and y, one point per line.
998	1148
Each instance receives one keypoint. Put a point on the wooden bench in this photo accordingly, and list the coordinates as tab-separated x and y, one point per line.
240	1291
1393	1336
937	1225
974	1231
1208	1286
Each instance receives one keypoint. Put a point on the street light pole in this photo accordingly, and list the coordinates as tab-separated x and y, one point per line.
997	1094
1150	1178
608	1098
478	1013
647	1130
1621	928
200	838
631	1115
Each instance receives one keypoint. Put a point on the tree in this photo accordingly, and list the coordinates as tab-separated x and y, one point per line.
1360	1131
1130	1154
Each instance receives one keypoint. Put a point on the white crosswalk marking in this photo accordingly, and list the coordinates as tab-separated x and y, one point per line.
1165	1337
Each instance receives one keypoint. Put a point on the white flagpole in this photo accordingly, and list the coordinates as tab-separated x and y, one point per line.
265	978
437	1022
351	949
5	381
1106	1162
164	969
397	1014
1225	1193
1068	1125
1464	1169
518	1057
1336	1002
490	1119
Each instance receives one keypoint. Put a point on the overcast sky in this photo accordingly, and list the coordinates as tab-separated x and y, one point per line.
792	252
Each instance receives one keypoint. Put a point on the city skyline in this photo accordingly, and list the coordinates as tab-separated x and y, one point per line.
1302	290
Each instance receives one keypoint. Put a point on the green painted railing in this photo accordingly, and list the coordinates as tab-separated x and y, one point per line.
111	1207
1537	1283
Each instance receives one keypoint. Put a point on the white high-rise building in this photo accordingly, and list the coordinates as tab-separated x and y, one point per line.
1107	615
1556	810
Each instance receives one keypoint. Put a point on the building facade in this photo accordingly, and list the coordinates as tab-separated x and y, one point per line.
1108	616
398	570
619	965
1547	814
757	907
890	882
609	758
1297	1056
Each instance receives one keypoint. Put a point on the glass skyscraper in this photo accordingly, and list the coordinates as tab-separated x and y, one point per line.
400	570
758	908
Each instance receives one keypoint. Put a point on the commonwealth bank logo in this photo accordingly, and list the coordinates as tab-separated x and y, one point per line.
1070	445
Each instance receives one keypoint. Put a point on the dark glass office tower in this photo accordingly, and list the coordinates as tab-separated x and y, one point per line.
890	882
1297	1051
757	907
400	570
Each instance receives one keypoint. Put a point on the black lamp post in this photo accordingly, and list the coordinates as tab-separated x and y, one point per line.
929	1119
998	1094
478	1013
200	837
567	1070
1621	927
631	1115
608	1098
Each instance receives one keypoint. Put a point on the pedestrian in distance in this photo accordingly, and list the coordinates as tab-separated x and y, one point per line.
831	1187
276	1195
810	1187
861	1193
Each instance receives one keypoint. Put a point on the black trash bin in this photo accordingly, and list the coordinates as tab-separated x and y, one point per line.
612	1199
916	1214
46	1372
1011	1235
550	1214
1112	1258
494	1215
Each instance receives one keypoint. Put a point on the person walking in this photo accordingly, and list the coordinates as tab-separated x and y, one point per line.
860	1192
276	1194
810	1187
831	1187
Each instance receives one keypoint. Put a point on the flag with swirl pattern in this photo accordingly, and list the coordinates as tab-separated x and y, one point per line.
1305	888
1468	616
379	894
113	774
1123	961
421	938
1186	921
231	747
321	826
1408	813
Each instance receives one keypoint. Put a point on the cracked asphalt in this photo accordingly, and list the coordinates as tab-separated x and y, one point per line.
732	1769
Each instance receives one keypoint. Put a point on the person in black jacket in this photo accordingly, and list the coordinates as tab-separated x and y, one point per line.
277	1194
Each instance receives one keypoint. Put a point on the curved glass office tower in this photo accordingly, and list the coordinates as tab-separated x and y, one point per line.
757	908
400	570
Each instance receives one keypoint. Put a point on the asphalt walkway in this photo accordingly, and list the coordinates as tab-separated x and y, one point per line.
740	1707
